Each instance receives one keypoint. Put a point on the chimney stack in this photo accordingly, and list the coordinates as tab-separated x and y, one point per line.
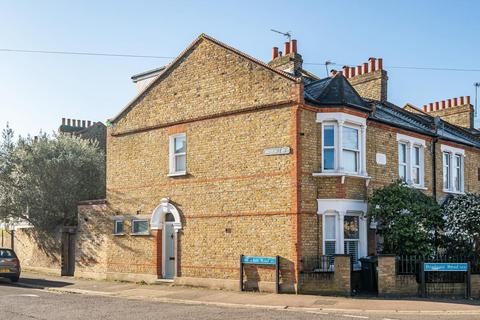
369	79
457	111
290	61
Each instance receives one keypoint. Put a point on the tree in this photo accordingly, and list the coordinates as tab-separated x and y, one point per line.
462	223
42	179
408	219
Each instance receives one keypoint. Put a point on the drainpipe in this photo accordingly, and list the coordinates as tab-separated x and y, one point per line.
434	168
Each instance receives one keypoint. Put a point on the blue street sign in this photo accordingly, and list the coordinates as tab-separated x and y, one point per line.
461	267
259	260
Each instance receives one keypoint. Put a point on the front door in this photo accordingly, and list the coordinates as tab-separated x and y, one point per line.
169	251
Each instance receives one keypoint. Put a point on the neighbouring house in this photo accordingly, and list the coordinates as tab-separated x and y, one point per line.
90	130
221	155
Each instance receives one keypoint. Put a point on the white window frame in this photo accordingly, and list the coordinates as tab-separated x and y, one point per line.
403	165
356	151
338	120
334	147
173	156
136	220
410	144
115	228
330	214
341	208
453	153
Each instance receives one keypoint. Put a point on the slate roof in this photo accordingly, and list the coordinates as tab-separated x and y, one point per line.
391	114
334	91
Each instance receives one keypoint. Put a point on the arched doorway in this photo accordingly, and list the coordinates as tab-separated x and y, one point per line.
166	220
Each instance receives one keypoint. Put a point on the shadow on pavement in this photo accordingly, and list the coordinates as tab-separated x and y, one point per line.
37	283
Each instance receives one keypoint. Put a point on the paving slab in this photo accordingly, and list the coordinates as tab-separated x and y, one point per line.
181	294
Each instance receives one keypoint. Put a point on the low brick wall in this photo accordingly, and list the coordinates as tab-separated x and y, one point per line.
389	283
337	282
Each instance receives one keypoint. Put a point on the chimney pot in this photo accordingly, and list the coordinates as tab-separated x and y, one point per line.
380	63
462	101
352	72
449	103
287	48
89	123
455	102
437	105
359	70
430	106
345	71
371	62
84	123
333	72
280	53
424	108
68	122
365	68
467	100
274	53
293	46
442	104
63	121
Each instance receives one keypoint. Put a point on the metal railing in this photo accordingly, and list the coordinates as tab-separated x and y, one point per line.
317	264
410	265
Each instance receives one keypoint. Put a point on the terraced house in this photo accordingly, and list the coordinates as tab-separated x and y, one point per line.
221	155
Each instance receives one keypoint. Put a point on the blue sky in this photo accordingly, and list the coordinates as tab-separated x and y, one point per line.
37	90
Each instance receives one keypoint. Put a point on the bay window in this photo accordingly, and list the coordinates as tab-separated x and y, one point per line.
344	227
343	144
453	169
411	169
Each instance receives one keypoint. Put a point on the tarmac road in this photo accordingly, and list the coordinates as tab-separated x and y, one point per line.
19	303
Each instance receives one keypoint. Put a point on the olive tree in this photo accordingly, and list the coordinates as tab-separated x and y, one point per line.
42	179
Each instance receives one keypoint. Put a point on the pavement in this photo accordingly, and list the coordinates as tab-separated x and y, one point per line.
171	294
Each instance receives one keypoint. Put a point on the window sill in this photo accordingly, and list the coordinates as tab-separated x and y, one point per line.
453	192
343	175
177	174
417	187
118	234
140	234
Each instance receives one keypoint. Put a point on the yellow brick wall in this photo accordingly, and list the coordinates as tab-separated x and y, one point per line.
234	200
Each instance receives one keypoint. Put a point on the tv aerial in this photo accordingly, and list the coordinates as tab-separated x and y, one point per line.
287	34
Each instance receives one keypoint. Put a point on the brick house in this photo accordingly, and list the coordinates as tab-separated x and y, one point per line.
221	154
95	131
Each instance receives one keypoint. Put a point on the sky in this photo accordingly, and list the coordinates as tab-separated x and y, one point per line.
37	90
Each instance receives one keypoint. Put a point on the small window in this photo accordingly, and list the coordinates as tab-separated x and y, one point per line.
447	177
178	154
416	168
350	149
458	173
140	226
402	161
329	147
118	227
351	237
330	235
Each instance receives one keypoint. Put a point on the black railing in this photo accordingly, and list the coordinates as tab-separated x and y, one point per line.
410	265
317	264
